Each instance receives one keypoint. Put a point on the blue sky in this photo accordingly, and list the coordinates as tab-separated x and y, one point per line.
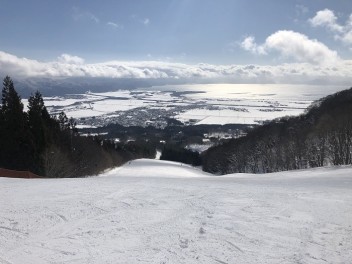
216	32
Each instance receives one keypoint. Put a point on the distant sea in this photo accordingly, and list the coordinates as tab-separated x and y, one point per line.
273	91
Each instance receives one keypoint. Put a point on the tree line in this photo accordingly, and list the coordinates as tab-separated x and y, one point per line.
177	153
50	146
321	136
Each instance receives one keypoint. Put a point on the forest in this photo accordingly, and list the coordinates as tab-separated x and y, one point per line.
319	137
50	146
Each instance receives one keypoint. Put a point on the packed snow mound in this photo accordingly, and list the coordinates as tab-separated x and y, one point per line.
156	168
162	212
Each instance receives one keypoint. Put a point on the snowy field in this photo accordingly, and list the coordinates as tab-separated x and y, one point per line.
161	212
201	104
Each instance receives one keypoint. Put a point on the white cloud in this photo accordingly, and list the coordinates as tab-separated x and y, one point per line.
114	25
79	14
73	66
349	23
69	59
299	47
249	44
12	65
327	18
301	10
293	45
347	38
146	21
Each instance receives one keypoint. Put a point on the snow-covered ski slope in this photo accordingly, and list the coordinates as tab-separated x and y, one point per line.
161	212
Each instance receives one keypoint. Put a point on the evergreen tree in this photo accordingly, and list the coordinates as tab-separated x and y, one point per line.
63	122
38	119
12	106
51	146
16	146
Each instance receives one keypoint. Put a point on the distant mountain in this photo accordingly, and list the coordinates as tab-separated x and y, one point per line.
321	136
71	85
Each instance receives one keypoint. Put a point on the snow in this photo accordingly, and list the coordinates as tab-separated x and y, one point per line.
152	211
199	147
226	116
85	126
206	103
119	93
109	106
59	101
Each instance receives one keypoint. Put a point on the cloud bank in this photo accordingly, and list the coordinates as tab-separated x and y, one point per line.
72	66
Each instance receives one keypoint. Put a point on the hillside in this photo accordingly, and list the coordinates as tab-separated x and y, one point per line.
50	146
162	212
319	137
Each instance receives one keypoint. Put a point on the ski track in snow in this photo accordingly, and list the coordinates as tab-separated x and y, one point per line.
161	212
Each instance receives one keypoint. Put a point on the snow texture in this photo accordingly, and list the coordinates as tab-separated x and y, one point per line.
151	211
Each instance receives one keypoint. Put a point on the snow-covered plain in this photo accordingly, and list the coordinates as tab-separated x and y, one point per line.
204	104
151	211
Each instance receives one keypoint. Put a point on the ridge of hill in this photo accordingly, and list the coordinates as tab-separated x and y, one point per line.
321	136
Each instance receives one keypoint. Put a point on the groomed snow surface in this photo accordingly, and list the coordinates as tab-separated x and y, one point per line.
162	212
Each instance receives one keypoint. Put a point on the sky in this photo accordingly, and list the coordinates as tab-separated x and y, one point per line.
234	40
